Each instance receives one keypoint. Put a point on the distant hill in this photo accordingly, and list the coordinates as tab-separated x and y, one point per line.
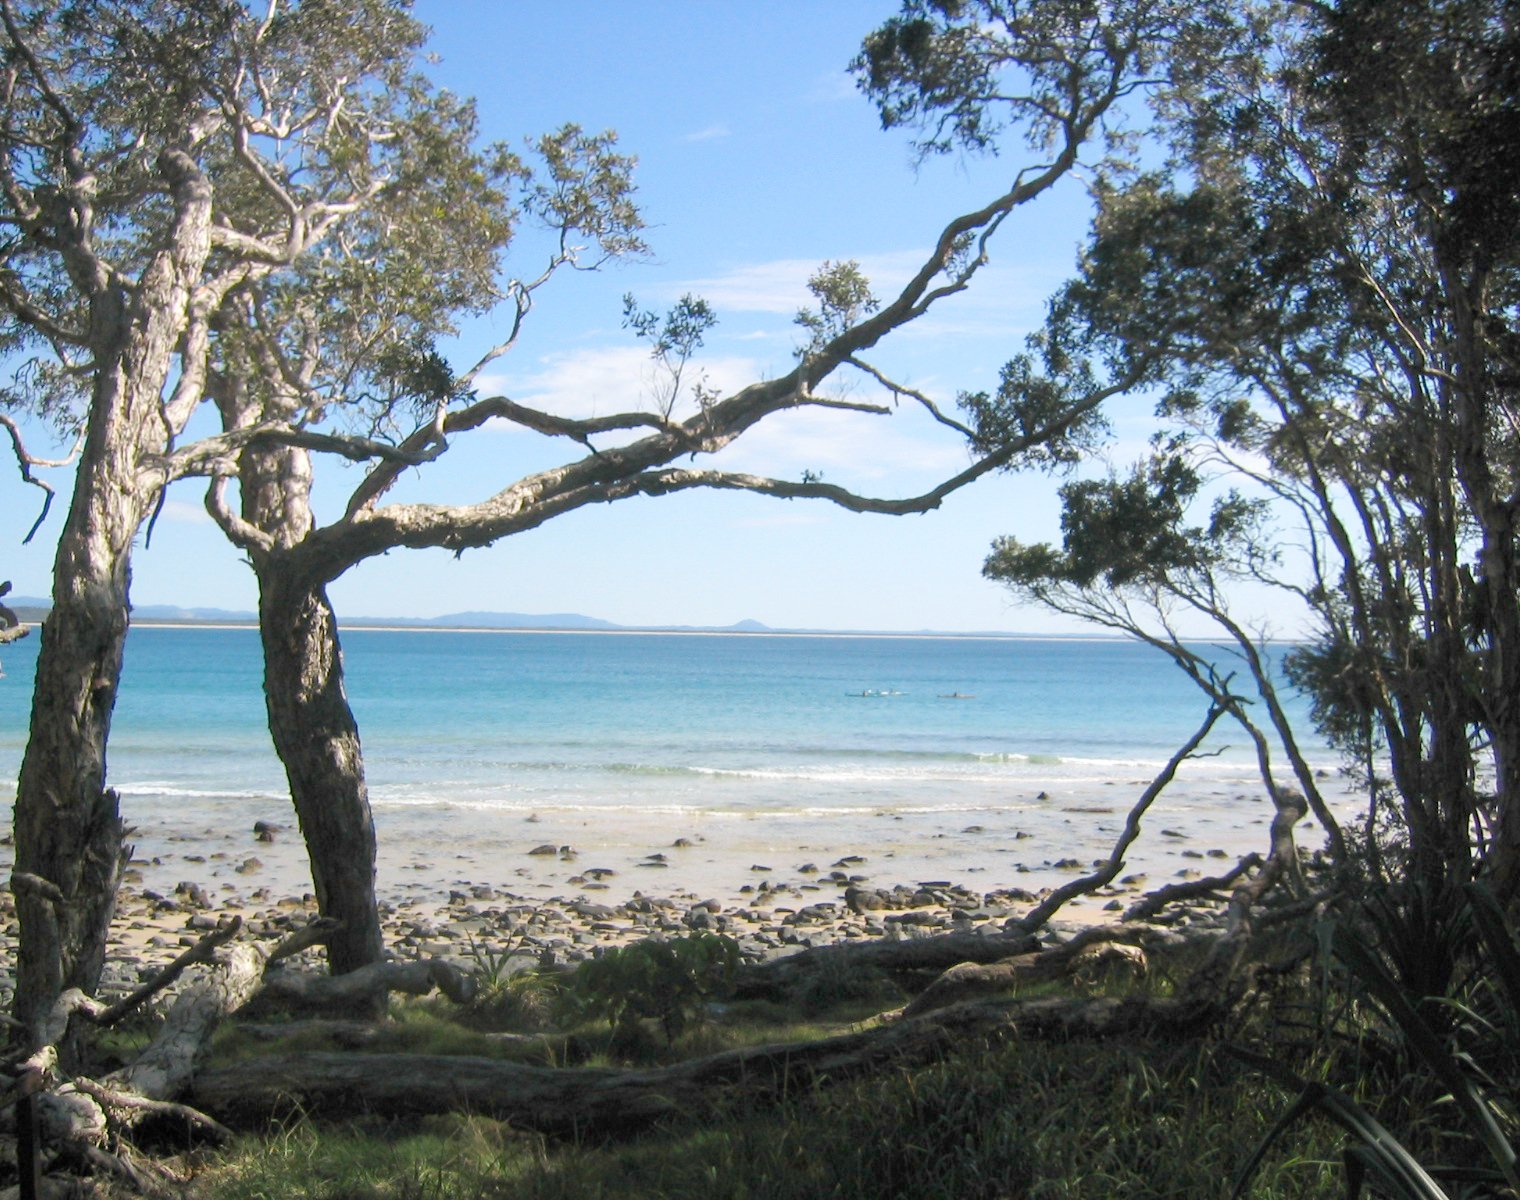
32	609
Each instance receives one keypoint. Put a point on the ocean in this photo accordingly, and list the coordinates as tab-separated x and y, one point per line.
949	756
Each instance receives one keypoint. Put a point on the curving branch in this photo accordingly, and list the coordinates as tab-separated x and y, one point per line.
26	461
898	389
1036	917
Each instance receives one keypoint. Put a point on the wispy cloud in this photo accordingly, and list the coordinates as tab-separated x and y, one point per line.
600	381
852	448
834	87
710	134
184	513
780	286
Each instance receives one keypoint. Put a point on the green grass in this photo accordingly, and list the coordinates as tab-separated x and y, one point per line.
1019	1119
1072	1120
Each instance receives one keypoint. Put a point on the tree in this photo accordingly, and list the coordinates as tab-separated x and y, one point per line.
156	162
1326	274
1074	68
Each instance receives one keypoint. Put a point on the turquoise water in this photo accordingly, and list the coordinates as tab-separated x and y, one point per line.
628	738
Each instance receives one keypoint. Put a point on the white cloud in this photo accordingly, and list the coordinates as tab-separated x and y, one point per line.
611	379
850	448
185	513
710	134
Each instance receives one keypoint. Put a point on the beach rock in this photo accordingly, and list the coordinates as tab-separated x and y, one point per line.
544	851
863	900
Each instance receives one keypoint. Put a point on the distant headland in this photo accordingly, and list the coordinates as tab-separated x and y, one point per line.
32	609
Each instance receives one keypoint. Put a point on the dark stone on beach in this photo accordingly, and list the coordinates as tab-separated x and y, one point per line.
1043	796
653	863
261	827
758	867
973	829
1217	853
849	860
248	866
599	873
194	893
681	843
1112	906
1021	835
1172	833
861	900
1190	853
808	869
544	850
1067	864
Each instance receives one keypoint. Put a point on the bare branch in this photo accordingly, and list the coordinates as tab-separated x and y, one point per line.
1053	903
898	389
240	533
26	461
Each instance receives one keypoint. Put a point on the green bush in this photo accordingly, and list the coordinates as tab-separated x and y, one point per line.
668	981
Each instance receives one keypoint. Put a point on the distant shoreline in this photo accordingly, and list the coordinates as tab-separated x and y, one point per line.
364	626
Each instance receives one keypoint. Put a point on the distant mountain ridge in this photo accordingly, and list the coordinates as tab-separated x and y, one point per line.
33	608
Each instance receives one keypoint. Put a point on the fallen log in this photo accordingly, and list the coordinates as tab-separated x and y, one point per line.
915	958
575	1102
1091	949
308	993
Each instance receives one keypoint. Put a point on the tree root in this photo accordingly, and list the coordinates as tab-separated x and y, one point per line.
600	1101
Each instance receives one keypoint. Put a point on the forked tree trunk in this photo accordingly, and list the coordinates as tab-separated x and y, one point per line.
68	828
318	741
310	720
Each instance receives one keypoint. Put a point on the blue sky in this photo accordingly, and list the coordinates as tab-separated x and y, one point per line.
757	161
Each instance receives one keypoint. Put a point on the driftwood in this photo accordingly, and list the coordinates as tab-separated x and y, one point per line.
364	990
779	978
1193	889
1093	948
1109	870
601	1101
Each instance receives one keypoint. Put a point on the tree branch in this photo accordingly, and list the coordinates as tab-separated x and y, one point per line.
1052	904
898	389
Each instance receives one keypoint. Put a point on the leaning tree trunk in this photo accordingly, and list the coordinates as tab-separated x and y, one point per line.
310	720
68	829
317	739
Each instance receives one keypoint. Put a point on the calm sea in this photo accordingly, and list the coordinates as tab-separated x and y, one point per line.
625	739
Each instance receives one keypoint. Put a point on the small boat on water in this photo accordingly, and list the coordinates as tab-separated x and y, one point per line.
957	696
872	693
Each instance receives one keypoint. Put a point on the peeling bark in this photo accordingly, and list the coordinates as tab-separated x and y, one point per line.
779	978
590	1102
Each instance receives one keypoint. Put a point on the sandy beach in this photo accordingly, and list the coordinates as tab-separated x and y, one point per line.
560	888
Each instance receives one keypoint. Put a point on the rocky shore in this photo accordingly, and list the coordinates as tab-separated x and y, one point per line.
473	923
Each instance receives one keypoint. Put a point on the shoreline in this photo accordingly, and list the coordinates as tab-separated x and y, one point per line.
532	895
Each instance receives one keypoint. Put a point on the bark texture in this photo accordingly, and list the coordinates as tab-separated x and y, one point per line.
580	1102
917	959
317	739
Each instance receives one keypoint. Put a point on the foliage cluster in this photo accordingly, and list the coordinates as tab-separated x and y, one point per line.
666	980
